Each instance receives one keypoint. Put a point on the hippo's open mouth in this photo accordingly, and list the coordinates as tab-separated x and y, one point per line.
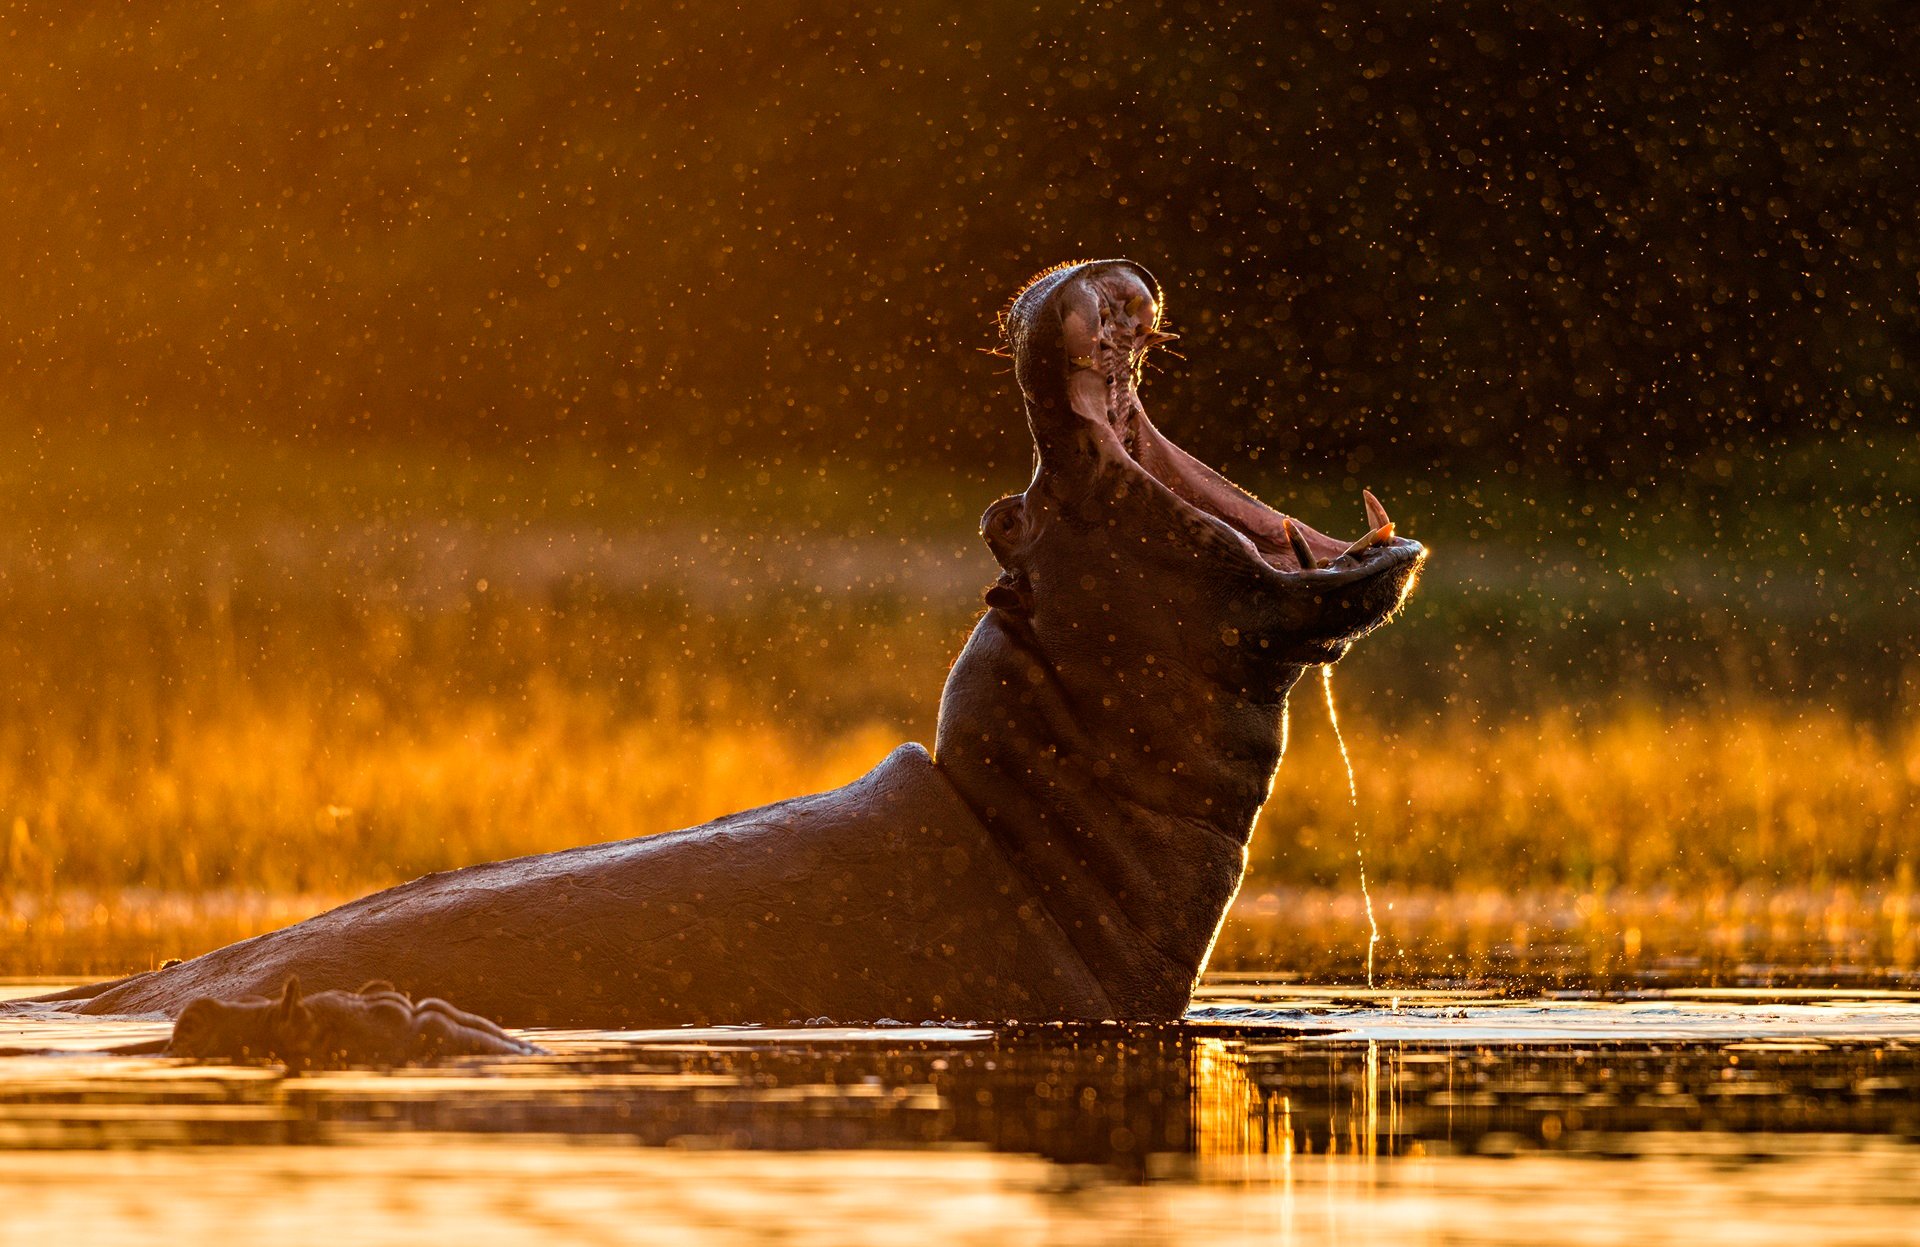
1109	317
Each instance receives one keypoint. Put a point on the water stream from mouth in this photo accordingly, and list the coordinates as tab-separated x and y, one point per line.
1353	799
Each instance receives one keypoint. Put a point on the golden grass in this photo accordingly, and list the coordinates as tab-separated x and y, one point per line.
323	790
278	798
1839	934
219	785
1636	796
225	706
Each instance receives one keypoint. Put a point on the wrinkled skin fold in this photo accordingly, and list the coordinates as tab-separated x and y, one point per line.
1068	851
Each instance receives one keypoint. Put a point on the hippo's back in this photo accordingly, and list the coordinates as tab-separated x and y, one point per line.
884	898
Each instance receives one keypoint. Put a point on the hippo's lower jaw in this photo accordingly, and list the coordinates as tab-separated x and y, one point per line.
1106	739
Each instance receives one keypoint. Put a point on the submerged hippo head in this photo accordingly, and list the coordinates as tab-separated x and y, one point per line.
1120	520
376	1026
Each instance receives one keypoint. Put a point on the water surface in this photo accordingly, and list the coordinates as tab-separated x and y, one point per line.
1278	1112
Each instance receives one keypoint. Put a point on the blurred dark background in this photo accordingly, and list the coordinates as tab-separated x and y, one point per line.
1619	239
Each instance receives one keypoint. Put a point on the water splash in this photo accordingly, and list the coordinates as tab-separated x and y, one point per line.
1353	798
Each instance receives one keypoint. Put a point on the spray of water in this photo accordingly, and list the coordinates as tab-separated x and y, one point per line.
1353	798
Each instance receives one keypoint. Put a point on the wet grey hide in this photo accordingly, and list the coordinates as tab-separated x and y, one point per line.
1068	850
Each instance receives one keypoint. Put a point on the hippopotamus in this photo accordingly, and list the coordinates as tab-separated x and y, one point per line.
376	1025
1066	852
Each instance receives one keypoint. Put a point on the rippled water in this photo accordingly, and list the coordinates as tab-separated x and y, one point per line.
1277	1113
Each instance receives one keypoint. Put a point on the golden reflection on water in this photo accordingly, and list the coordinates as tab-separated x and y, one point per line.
479	1192
1235	1116
1074	1135
1229	1117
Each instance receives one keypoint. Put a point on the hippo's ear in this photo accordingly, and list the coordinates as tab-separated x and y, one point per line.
288	1013
1005	527
290	1034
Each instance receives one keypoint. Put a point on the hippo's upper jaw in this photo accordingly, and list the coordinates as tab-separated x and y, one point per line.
1115	719
1080	335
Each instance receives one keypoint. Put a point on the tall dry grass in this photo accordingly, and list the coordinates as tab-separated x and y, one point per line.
367	767
267	805
225	703
1634	795
392	755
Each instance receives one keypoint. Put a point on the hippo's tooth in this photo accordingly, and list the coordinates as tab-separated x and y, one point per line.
1299	545
1376	514
1374	538
1160	335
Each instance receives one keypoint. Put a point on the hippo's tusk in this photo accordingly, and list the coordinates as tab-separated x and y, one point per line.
1374	538
1299	544
1376	514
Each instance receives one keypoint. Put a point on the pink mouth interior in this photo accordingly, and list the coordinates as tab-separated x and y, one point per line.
1110	321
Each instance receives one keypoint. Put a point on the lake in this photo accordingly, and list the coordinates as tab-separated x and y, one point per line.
1279	1112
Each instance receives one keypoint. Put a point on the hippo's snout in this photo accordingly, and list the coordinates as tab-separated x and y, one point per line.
1080	335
